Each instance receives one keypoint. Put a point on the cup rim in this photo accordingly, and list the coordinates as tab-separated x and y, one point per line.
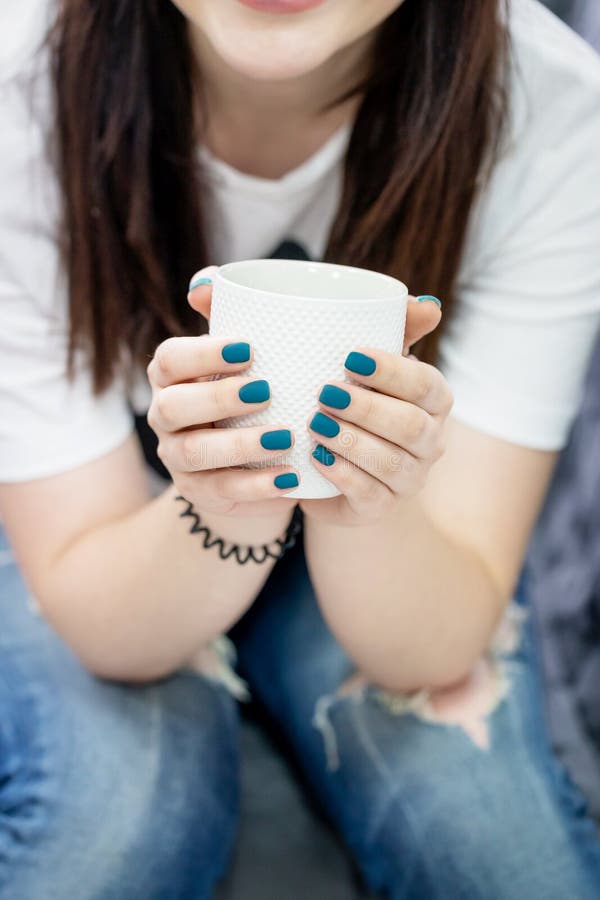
380	276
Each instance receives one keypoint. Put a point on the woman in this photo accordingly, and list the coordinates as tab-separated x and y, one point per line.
452	147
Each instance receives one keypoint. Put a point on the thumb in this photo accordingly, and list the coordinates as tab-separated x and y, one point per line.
423	315
200	290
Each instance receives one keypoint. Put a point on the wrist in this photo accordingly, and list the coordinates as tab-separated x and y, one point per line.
247	530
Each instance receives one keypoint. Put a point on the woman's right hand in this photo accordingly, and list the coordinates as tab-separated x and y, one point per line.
205	461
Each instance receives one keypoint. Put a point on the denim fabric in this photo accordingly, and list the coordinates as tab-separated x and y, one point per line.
107	791
130	792
426	813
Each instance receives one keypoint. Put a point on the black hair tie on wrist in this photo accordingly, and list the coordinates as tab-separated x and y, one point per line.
242	555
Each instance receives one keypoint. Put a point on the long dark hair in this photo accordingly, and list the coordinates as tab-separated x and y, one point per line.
126	84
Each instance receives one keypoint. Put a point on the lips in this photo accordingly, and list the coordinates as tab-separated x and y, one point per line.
282	6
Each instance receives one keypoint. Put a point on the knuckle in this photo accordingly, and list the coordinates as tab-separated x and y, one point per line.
391	381
165	357
191	452
416	423
406	465
256	485
424	379
164	408
216	494
238	448
369	407
161	451
230	490
151	418
220	396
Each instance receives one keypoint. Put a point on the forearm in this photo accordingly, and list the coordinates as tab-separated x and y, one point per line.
135	598
412	608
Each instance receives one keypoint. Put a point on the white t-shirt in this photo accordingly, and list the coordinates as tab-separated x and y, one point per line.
528	293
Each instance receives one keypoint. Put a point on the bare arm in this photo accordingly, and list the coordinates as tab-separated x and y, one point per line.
116	572
415	596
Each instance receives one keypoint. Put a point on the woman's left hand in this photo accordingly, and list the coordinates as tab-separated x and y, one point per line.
377	446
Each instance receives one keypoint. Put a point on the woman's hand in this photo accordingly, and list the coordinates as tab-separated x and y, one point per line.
378	445
388	470
205	461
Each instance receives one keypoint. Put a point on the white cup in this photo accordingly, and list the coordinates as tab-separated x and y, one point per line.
302	319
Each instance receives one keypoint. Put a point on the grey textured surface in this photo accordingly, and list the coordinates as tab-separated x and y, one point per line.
285	850
564	570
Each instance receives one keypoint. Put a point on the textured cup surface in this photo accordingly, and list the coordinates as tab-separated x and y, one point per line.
302	319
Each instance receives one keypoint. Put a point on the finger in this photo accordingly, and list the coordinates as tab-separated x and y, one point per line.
219	448
397	468
402	424
406	379
423	315
181	359
200	290
198	403
363	492
225	487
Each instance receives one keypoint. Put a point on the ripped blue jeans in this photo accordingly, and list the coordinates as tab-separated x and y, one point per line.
119	792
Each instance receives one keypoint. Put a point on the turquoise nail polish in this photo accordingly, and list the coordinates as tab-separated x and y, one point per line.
255	392
236	353
360	363
324	425
334	396
322	455
196	282
289	480
425	297
276	440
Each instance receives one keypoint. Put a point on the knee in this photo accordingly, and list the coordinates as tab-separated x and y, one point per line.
124	792
414	796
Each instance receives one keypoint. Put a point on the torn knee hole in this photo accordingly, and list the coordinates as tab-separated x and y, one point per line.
352	687
356	683
466	705
216	661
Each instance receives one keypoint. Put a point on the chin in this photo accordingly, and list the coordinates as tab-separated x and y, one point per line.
272	66
269	48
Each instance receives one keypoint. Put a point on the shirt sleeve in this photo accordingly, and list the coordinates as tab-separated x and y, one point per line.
528	296
48	424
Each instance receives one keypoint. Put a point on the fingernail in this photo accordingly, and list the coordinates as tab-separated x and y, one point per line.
322	455
360	363
425	297
324	425
276	440
255	392
236	353
196	282
288	480
331	395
